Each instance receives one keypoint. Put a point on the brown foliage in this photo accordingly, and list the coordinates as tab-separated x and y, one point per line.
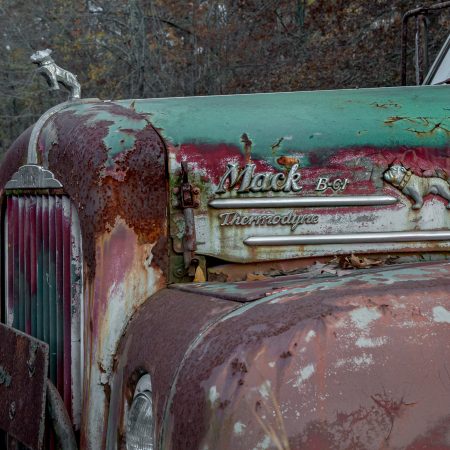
156	48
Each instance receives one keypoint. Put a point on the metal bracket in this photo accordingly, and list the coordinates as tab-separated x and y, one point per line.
188	195
188	199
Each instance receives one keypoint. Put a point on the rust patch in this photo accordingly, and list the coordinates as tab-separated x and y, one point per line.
287	161
138	195
277	145
247	147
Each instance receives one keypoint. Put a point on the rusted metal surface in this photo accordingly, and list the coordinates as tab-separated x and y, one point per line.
111	160
355	362
245	291
156	342
23	378
188	200
115	172
118	183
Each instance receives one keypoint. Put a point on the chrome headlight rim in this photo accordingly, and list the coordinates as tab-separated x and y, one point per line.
140	433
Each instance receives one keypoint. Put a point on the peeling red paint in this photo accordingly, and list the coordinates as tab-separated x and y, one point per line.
213	158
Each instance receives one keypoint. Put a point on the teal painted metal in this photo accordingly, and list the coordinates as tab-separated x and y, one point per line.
306	120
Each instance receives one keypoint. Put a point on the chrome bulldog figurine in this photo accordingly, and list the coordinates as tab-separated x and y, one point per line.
54	74
416	187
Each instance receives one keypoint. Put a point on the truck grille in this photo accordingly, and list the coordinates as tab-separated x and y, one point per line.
43	286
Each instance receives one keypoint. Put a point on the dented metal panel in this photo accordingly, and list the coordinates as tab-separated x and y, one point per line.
351	362
23	384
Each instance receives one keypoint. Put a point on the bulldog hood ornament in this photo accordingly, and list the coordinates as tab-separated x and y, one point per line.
415	186
55	75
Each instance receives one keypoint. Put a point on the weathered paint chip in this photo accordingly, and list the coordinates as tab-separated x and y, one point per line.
304	374
213	394
440	314
364	342
239	427
311	334
362	317
265	389
264	444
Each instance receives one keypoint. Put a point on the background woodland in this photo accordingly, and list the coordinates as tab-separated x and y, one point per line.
160	48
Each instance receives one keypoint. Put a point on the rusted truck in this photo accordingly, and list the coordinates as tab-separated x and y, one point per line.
262	271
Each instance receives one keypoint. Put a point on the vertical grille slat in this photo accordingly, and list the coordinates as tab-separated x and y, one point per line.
67	297
59	300
32	266
10	243
20	323
43	283
45	274
39	270
23	268
52	289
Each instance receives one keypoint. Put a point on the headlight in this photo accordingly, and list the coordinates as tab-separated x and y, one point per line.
140	424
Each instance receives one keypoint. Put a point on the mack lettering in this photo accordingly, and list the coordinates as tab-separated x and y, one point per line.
246	180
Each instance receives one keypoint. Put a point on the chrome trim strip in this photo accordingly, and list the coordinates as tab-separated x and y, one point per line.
298	202
32	157
356	238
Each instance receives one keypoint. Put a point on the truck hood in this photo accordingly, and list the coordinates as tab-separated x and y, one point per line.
279	176
270	166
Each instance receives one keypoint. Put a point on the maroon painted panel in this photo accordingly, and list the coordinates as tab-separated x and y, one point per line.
23	383
358	362
156	342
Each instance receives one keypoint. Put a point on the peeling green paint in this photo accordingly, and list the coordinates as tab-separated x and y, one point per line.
121	129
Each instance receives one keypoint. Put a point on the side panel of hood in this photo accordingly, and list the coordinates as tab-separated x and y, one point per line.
391	143
359	362
157	340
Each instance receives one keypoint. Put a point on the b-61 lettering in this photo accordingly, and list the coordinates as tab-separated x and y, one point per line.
338	184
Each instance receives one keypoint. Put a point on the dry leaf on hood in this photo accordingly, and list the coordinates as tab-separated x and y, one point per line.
256	277
199	275
359	262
